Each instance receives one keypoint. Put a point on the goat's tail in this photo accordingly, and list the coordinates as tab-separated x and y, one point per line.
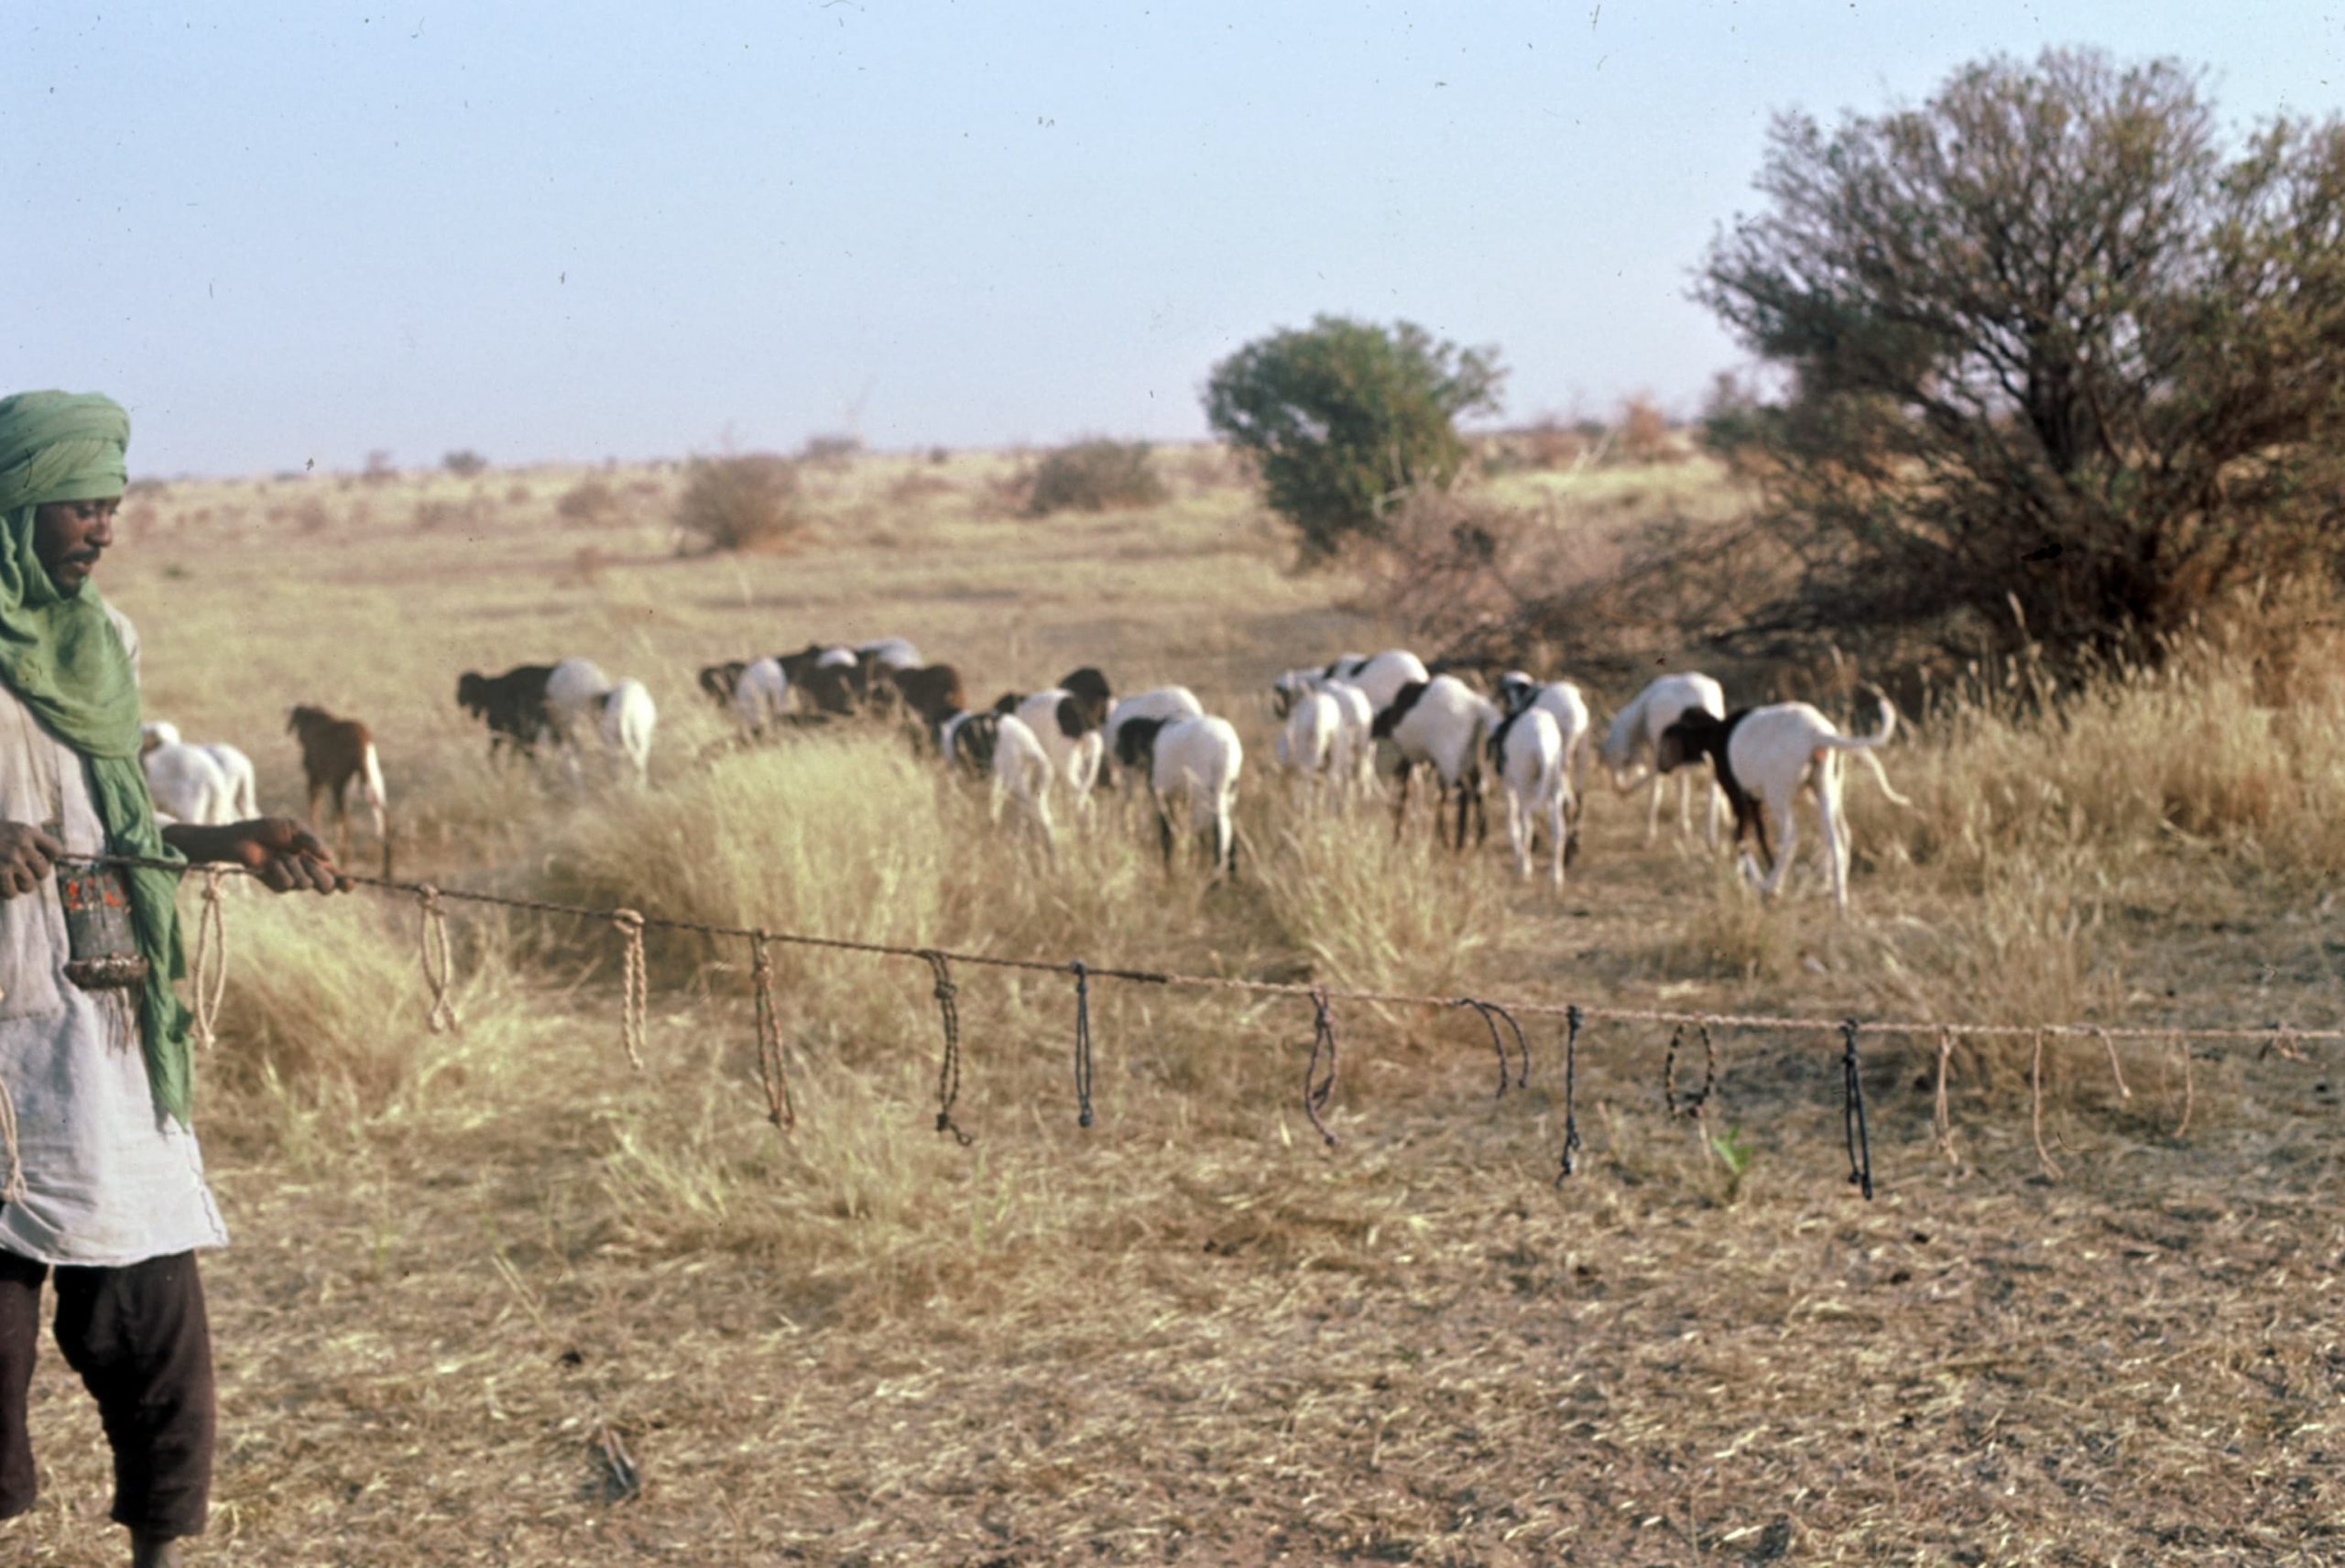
1863	746
370	785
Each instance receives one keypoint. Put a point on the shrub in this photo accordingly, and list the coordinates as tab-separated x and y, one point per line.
1096	475
465	463
830	450
745	503
588	501
1346	418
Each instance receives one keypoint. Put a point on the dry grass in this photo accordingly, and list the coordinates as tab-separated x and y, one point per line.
1190	1334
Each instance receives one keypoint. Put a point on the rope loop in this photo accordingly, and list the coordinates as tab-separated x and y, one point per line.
948	1070
779	1108
1941	1116
439	962
2035	1110
1491	1013
1690	1106
2109	1044
634	988
1083	1116
2281	1043
211	962
1852	1111
1317	1086
1573	1018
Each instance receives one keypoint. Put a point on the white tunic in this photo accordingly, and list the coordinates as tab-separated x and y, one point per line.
108	1179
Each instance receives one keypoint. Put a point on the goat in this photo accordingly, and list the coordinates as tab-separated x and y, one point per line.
629	718
1001	749
1517	692
1636	731
1312	744
1089	687
888	653
1767	756
760	696
512	705
1067	728
1381	677
1159	703
187	784
930	691
243	786
721	681
1442	722
1199	757
334	753
1528	751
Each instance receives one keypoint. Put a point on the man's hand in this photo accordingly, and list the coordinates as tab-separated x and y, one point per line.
280	852
27	856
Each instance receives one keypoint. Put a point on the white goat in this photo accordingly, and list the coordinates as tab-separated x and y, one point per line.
243	788
1629	744
1562	701
629	718
1195	760
1311	745
1445	723
187	785
1159	703
1023	770
1528	751
1763	757
890	653
761	696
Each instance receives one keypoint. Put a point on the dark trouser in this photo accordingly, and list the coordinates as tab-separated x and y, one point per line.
138	1337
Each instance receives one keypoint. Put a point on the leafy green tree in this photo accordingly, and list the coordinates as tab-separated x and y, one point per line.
2050	343
1345	418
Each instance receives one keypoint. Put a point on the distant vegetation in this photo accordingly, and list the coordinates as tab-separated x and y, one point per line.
465	463
1344	419
1096	475
745	503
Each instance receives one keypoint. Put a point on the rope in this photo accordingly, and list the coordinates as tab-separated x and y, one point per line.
1852	1111
2274	1037
1941	1120
2035	1110
635	992
1572	1020
1491	1013
210	979
1083	1116
948	1070
1315	1088
2115	1071
779	1108
2189	1088
439	962
1689	1105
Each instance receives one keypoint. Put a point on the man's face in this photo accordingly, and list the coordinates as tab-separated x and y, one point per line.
70	536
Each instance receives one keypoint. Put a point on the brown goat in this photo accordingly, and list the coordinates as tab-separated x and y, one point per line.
334	753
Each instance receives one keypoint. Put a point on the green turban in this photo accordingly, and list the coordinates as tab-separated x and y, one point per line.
64	658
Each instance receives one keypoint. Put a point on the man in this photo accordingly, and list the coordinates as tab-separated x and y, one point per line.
100	1183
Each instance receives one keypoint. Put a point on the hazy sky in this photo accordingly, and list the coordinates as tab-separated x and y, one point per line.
304	232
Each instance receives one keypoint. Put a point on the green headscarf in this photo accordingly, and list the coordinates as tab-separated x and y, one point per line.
64	658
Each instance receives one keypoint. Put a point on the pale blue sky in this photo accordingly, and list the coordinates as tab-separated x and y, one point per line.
283	233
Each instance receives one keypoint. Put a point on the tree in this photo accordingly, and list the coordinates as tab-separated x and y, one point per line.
2047	345
744	503
1346	418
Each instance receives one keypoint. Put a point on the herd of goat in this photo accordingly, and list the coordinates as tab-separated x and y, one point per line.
1348	729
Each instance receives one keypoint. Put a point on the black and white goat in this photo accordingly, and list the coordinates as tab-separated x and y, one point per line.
1001	749
1445	723
1381	676
1195	761
1631	743
1517	693
1763	759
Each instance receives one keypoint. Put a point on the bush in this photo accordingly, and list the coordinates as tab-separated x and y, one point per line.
747	503
1345	418
588	501
830	450
1097	475
2057	357
464	464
